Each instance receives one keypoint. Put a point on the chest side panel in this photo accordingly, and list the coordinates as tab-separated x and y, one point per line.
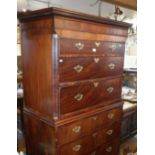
37	65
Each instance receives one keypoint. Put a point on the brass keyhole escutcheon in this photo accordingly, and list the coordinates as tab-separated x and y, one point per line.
97	44
96	60
96	84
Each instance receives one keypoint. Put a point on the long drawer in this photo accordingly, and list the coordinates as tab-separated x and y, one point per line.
90	93
89	144
83	68
89	125
81	47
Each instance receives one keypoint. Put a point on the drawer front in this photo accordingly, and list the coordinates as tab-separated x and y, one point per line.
111	148
88	143
70	132
79	47
105	134
78	147
83	26
111	132
83	68
91	124
88	94
106	118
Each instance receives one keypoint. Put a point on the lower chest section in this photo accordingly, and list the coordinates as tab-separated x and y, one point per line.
97	134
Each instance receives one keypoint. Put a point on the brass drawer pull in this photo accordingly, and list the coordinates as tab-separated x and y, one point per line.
109	149
113	47
78	97
111	66
96	60
93	153
110	115
76	129
94	118
97	44
109	132
94	134
110	89
76	148
79	46
78	68
96	84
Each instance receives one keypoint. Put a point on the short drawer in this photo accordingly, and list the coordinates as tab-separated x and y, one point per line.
111	148
106	118
88	143
79	147
86	94
105	134
111	126
81	47
109	120
83	68
71	131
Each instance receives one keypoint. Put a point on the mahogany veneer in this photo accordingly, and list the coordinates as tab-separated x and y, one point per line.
72	76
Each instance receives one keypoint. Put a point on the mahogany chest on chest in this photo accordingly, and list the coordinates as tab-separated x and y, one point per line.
72	76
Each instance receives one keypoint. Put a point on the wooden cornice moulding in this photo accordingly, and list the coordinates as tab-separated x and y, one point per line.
24	16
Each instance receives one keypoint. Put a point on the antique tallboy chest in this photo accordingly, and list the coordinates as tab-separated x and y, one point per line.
72	75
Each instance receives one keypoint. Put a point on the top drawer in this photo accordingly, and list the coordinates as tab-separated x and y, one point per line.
64	23
81	47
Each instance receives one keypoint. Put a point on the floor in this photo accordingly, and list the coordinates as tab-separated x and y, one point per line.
20	142
129	147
